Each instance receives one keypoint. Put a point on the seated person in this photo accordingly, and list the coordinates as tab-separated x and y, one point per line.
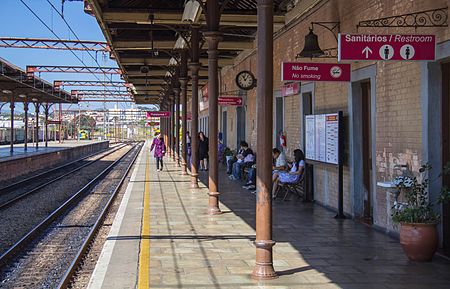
279	164
231	161
251	179
279	160
245	158
294	173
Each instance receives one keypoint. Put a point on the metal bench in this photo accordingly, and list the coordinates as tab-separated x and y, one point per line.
297	188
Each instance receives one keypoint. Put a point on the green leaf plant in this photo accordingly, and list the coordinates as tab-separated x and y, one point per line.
417	207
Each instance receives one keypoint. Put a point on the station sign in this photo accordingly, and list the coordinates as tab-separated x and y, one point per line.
230	101
299	71
160	114
290	89
397	47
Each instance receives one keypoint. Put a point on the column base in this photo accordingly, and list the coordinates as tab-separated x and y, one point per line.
213	207
194	181
184	171
214	211
263	269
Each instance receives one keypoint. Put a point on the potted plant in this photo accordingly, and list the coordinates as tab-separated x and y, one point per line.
417	219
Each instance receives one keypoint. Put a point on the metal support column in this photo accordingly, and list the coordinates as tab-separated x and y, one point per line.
46	109
171	154
183	81
194	67
11	135
173	128
213	38
60	124
37	124
264	105
25	132
177	123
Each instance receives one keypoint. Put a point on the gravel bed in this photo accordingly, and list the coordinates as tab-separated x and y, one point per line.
47	258
25	214
83	274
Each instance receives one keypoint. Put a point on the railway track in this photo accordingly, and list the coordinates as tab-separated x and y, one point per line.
12	193
50	253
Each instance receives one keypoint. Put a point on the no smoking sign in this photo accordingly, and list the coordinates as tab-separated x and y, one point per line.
387	47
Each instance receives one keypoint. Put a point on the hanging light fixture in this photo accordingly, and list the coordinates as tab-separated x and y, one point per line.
192	11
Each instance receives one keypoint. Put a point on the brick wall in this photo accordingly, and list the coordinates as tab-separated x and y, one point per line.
398	108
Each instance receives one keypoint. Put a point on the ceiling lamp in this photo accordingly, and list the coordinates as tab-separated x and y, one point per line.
6	91
173	62
192	11
180	43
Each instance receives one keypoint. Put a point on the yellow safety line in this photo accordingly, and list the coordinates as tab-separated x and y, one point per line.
144	255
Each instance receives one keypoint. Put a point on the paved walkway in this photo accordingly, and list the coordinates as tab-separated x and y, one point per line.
185	248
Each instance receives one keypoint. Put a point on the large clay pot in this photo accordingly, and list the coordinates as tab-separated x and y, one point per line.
419	241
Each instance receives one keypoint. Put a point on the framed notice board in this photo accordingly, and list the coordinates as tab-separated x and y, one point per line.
323	144
323	138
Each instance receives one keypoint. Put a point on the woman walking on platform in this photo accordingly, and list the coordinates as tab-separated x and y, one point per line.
203	149
160	150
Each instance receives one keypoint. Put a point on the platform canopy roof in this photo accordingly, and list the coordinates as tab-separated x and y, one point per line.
14	82
152	32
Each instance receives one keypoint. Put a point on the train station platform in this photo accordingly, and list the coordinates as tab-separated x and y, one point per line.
21	162
162	238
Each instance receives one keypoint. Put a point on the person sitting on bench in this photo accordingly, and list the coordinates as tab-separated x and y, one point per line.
245	158
294	174
279	164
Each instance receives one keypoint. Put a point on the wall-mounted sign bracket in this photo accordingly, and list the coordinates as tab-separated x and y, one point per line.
427	18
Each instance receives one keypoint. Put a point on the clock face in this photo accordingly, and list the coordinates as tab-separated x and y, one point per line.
245	80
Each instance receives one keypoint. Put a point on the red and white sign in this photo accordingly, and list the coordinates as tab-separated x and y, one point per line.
160	114
290	89
230	101
298	71
386	47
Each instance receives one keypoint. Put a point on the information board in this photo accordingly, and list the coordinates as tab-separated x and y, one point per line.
322	138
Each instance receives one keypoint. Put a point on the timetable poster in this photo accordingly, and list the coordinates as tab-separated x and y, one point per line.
310	137
332	134
322	138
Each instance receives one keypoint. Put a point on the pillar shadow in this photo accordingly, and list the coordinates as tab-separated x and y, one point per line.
345	253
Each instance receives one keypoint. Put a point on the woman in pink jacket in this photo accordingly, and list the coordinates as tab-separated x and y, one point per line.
160	150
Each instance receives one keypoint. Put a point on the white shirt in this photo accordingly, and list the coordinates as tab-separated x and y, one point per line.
280	161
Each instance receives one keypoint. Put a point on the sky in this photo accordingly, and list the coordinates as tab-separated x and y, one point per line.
18	21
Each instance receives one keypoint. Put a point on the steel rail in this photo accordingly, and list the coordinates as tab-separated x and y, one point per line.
10	253
64	283
35	189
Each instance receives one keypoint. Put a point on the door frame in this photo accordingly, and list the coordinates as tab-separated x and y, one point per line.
431	102
277	95
368	73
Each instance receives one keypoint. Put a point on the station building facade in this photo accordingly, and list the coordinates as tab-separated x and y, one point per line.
396	113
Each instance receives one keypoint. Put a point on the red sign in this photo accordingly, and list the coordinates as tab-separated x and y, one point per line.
230	100
53	122
160	114
386	47
290	89
296	71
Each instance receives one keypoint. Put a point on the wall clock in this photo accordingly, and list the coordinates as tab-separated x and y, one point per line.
245	80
